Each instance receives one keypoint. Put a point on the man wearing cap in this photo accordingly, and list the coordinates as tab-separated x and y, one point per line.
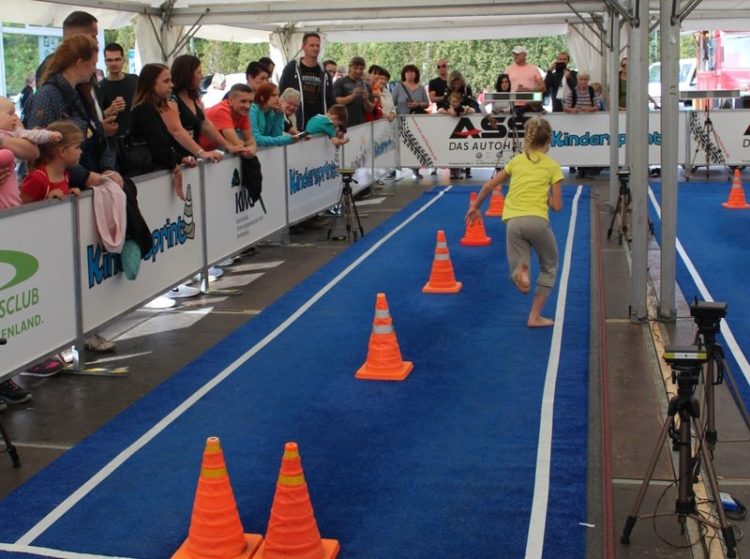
524	77
352	92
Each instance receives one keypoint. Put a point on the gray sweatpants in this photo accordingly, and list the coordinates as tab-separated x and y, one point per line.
527	232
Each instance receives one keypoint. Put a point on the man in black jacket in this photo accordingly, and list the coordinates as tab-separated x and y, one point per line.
307	76
556	73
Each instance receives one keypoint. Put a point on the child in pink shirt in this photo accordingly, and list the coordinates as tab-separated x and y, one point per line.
10	127
49	177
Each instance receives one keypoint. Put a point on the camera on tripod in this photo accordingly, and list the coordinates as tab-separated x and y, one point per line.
708	314
347	175
686	363
624	177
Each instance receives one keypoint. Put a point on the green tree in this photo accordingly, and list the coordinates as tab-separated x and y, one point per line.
21	60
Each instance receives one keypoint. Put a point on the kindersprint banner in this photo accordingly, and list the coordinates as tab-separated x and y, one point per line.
468	141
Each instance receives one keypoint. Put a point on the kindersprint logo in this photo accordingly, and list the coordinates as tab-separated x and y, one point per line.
24	267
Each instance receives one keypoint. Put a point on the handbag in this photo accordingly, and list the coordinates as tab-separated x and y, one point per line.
415	110
134	156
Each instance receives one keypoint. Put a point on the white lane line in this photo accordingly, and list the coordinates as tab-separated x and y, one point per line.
53	516
538	518
49	552
726	331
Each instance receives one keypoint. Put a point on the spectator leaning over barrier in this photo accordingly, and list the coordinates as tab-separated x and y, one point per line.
13	143
151	101
65	94
184	117
267	119
308	76
559	81
330	124
231	119
524	77
290	100
354	93
116	90
410	97
582	99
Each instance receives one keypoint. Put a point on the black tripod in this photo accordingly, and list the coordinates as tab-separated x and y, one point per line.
9	448
686	370
348	211
622	209
707	141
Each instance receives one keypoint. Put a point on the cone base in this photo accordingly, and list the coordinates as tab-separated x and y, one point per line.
400	373
331	549
254	541
475	242
454	289
731	206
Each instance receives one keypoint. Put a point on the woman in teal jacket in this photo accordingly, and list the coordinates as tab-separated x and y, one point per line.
266	117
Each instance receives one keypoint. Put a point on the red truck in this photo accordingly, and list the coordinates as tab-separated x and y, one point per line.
724	60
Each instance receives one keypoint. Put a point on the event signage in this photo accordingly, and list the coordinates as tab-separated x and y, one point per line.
176	254
358	155
313	182
37	288
482	141
237	218
728	136
385	146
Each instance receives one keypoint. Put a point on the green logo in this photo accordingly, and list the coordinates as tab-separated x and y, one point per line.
236	178
25	265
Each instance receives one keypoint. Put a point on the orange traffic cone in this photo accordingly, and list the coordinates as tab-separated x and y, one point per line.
736	194
215	527
383	356
442	278
475	235
292	531
497	203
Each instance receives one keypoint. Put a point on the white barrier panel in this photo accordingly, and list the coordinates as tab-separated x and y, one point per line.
358	155
732	131
233	220
177	252
385	146
37	287
473	140
313	182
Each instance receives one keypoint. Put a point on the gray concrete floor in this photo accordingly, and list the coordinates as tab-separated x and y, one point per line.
156	344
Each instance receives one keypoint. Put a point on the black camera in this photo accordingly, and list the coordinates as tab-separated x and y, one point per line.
708	312
560	66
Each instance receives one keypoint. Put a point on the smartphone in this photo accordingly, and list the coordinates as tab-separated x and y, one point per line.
302	134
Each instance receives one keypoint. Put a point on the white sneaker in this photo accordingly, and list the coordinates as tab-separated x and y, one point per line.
182	292
227	262
161	302
215	271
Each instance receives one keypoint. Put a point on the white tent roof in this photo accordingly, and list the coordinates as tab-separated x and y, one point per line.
371	20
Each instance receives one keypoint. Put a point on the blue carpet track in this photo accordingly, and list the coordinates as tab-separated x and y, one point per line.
715	240
442	464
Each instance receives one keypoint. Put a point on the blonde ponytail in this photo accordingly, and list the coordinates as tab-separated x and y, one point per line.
537	133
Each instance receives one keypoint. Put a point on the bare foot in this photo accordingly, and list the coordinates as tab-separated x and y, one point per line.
520	278
539	322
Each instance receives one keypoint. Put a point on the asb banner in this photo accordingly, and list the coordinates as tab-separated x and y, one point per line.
481	141
358	155
312	183
177	250
237	217
384	146
37	287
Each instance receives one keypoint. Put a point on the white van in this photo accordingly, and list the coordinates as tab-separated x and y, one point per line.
687	80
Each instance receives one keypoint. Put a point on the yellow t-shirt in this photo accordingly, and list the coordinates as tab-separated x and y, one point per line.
530	182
